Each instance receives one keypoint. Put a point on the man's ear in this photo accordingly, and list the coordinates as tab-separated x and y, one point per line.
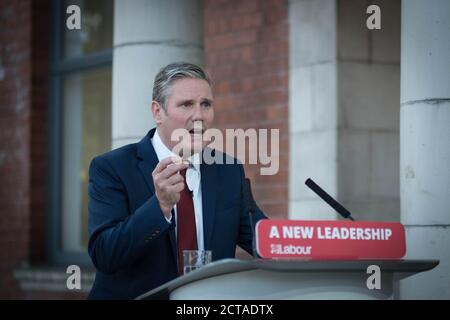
157	111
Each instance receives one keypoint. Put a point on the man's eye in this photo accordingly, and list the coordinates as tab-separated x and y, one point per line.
187	105
206	104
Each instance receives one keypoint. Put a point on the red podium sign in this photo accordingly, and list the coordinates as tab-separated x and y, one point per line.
330	240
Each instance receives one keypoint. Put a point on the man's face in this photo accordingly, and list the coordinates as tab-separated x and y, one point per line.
189	100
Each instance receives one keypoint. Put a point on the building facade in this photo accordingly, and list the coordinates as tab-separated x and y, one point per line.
364	112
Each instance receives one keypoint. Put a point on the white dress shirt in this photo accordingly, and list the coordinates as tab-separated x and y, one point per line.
193	178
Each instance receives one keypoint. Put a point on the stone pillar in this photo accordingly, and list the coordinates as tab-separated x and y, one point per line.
425	143
368	111
343	108
312	106
148	34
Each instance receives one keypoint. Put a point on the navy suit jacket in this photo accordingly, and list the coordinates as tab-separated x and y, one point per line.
131	244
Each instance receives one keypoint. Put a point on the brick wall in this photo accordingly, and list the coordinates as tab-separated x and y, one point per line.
246	53
24	43
15	124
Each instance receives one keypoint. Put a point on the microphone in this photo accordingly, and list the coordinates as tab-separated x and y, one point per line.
248	202
328	199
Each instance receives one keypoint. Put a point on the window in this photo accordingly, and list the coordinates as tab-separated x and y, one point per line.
80	120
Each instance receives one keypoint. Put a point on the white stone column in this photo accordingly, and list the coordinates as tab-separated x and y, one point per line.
148	34
425	143
344	89
313	135
368	111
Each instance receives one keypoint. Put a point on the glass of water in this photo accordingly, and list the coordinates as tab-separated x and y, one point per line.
194	259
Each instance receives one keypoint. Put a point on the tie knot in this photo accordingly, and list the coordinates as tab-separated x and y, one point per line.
183	172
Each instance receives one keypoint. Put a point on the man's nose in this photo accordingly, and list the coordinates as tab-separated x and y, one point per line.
198	113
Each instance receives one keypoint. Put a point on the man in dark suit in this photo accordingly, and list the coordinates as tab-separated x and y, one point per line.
147	204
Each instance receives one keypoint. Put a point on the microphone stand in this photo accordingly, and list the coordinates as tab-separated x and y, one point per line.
328	199
248	200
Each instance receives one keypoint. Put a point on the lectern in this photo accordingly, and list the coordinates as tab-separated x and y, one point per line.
288	279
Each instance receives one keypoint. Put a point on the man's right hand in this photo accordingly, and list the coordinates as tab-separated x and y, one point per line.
168	183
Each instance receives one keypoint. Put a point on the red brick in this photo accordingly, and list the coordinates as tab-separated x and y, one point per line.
23	138
245	6
246	21
246	37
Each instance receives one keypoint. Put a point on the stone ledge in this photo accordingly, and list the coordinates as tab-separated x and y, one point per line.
49	278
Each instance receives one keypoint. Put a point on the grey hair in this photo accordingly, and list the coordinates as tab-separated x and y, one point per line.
174	71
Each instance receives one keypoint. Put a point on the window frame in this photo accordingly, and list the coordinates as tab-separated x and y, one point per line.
60	67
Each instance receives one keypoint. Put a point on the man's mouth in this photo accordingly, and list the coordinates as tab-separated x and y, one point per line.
197	131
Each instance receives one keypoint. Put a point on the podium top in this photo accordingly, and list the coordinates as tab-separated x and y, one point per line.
227	266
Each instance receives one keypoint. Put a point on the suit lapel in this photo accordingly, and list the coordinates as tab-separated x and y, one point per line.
209	178
148	161
148	158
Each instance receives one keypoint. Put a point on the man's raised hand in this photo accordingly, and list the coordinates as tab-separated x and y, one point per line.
168	182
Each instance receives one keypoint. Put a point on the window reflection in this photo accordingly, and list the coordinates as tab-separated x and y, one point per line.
86	133
96	28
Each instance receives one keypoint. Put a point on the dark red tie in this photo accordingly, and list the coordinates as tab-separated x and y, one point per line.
187	232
